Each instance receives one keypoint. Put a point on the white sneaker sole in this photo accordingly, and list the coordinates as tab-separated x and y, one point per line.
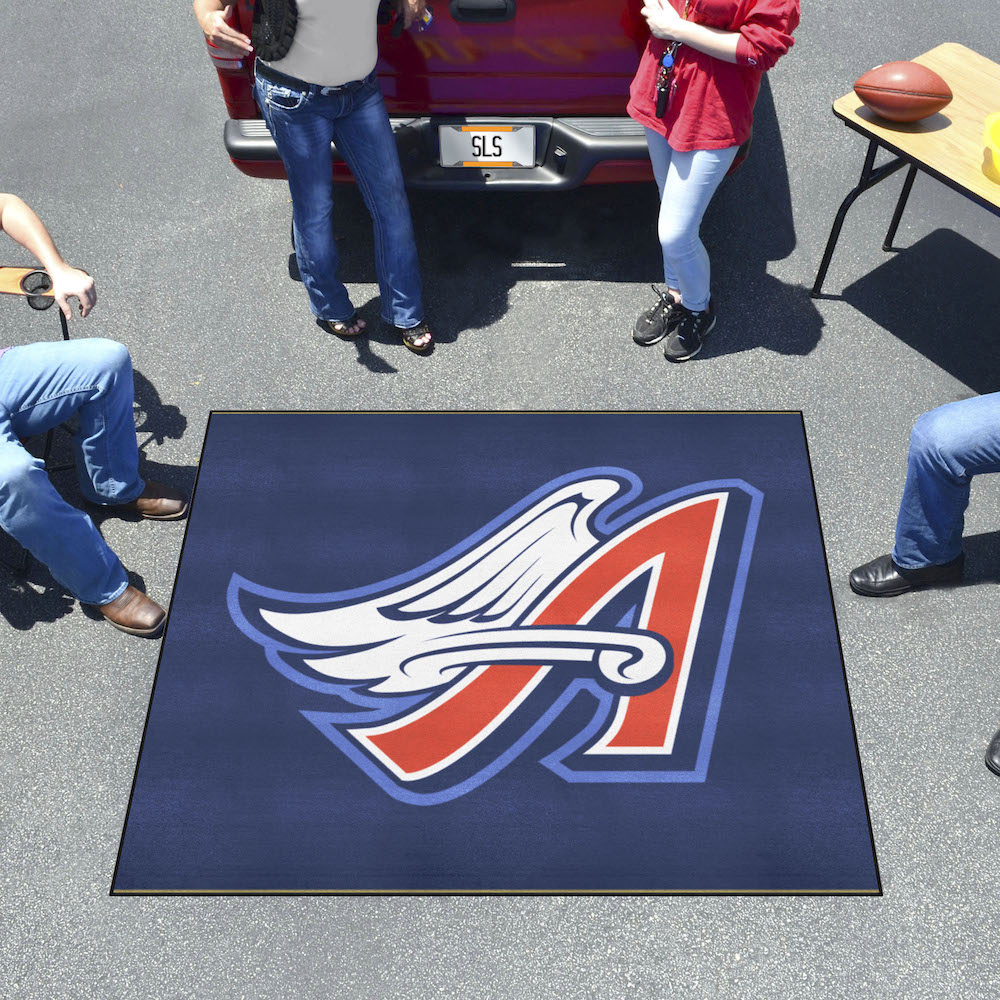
688	357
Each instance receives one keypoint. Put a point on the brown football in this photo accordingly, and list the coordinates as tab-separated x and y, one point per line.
903	91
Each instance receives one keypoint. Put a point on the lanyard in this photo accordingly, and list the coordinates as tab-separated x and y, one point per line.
666	70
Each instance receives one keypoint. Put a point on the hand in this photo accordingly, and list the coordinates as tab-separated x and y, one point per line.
72	283
222	35
410	10
664	22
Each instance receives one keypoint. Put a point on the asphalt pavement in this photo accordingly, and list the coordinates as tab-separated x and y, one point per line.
112	130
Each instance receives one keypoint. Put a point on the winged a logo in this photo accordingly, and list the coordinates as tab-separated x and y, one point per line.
579	616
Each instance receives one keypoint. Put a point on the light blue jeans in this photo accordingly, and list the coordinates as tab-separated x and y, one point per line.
687	182
41	386
304	121
948	447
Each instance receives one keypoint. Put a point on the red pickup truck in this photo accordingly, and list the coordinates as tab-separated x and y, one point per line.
518	94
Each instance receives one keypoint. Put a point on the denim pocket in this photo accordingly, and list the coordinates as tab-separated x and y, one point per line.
284	98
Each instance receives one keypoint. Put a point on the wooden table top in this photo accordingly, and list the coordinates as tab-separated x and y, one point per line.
10	280
949	143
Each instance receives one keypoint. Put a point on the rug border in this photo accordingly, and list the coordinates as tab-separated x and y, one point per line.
878	892
840	648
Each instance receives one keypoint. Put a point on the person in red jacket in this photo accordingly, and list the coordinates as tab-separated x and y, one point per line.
694	92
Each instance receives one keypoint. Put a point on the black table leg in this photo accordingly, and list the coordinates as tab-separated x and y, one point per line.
900	205
870	176
50	435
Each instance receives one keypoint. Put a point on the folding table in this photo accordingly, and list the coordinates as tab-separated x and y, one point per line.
948	145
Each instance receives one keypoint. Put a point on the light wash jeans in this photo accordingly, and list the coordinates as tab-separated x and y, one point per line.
687	182
303	123
948	447
42	385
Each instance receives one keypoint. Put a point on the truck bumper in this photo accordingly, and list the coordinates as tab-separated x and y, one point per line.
568	152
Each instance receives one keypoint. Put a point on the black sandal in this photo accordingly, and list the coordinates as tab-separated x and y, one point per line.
342	327
413	333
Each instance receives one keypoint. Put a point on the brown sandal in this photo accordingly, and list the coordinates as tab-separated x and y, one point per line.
342	327
411	334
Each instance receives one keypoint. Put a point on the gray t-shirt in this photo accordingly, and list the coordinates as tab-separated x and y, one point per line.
334	42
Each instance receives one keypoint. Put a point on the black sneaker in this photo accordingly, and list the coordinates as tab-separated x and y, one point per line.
654	324
688	337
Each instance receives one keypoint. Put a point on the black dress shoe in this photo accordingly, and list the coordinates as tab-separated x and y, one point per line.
883	578
993	753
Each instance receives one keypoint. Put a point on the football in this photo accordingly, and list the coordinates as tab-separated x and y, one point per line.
903	91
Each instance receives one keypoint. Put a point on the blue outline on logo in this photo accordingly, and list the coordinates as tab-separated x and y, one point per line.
382	709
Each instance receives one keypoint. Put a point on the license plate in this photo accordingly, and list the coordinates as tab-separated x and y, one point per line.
487	145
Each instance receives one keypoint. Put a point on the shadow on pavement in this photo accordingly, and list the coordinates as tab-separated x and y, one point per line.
153	417
749	224
941	296
474	247
24	604
982	557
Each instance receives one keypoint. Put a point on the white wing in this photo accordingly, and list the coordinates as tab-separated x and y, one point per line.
492	585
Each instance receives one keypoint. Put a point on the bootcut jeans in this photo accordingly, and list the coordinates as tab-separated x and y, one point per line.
948	446
41	386
304	120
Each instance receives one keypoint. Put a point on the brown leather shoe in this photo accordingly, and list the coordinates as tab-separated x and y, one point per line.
158	502
135	613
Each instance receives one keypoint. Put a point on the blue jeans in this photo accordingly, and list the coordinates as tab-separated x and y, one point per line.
42	385
687	182
303	123
948	447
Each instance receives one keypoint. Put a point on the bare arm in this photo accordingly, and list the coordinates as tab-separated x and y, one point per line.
712	41
211	15
21	224
665	22
764	37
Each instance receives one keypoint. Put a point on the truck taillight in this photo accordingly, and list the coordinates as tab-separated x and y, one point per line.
222	60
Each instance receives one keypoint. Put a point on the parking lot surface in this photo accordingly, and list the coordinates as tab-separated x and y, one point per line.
112	131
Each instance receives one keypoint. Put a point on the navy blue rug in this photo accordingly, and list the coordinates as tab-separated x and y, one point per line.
492	652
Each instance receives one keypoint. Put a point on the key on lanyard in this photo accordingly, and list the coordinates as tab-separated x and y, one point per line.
663	79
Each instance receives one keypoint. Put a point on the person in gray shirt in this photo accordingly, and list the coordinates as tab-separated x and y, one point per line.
315	84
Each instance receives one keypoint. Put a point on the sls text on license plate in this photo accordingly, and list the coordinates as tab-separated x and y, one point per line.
487	145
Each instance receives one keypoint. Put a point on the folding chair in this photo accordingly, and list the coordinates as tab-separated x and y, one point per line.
35	287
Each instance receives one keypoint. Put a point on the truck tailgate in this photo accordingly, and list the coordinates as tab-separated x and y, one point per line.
552	57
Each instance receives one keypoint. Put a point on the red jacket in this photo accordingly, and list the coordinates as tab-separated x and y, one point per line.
711	101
